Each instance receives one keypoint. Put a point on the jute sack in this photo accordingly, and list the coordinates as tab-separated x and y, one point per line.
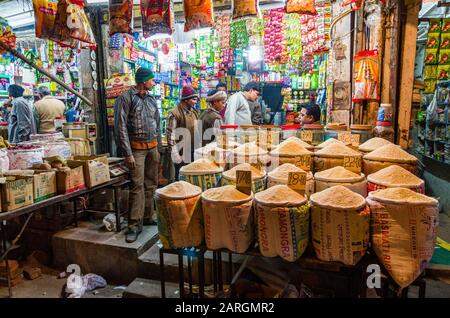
179	215
328	142
282	222
249	153
228	218
387	156
340	225
332	156
294	153
203	173
280	176
341	176
373	144
404	229
258	176
394	177
298	141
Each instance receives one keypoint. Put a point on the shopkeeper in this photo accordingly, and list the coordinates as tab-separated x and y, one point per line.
211	118
309	114
48	108
183	116
238	109
21	120
137	124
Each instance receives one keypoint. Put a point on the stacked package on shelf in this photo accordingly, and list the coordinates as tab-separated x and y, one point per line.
293	38
274	40
238	34
315	30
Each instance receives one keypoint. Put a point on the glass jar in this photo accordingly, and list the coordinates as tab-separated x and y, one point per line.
385	113
248	134
364	131
313	134
384	130
333	130
289	131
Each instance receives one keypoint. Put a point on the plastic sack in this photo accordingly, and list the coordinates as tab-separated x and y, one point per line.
245	8
110	222
25	158
4	160
120	16
367	76
44	13
157	17
72	25
47	137
198	14
301	6
78	285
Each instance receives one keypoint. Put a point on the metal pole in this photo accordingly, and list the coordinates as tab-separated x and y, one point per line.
57	80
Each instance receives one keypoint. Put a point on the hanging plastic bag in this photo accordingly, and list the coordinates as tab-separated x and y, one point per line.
157	17
7	35
245	8
44	14
301	6
120	16
198	14
72	25
367	76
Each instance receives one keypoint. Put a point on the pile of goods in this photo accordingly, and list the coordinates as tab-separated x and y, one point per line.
203	173
280	176
333	156
258	177
373	144
341	176
394	177
387	156
23	156
249	153
292	152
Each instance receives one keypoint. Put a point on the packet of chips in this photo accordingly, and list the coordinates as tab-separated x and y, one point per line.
44	15
157	17
245	8
301	6
120	16
198	14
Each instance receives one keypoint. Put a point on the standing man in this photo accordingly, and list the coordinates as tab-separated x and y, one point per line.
238	109
137	121
256	111
211	118
183	116
48	108
221	86
21	120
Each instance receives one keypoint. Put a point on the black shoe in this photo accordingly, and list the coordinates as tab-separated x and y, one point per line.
133	234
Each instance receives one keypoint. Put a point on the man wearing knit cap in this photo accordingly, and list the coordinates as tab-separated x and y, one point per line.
137	124
211	118
183	116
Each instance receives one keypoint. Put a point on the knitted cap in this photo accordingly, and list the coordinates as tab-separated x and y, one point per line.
188	93
143	74
215	95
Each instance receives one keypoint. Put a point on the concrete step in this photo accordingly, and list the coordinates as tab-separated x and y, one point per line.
146	288
101	252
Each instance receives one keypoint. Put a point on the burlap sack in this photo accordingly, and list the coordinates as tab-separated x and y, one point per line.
273	181
371	166
304	162
403	232
394	177
203	173
350	180
388	155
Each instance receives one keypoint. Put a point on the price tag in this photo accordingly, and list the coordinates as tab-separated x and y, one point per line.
353	163
307	136
297	181
244	181
355	140
304	162
345	137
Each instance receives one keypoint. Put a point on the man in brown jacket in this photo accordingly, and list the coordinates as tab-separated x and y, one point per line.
48	108
211	118
183	116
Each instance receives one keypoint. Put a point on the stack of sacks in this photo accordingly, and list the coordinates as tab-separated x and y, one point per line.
373	144
249	153
280	176
330	142
394	177
179	215
404	230
387	156
228	219
258	176
282	221
203	173
341	176
294	153
340	225
333	156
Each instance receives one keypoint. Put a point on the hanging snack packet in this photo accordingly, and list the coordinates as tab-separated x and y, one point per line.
367	76
443	72
120	16
301	6
445	26
435	26
444	57
431	56
44	13
245	8
430	72
198	14
433	40
157	17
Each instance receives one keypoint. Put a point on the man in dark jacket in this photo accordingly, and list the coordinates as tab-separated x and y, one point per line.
137	124
21	120
211	118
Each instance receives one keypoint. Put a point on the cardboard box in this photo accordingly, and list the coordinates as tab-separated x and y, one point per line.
17	192
96	169
44	185
70	180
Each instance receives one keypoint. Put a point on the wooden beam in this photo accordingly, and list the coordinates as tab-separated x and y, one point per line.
407	71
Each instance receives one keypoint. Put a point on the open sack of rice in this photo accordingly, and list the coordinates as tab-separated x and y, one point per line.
249	153
404	229
179	215
292	152
373	144
214	152
394	177
228	219
282	222
387	156
340	225
203	173
341	176
298	141
333	156
280	176
258	176
328	142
